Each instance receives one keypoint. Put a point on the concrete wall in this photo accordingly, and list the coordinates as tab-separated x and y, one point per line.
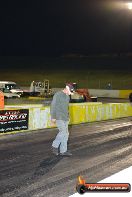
106	93
39	117
91	112
110	93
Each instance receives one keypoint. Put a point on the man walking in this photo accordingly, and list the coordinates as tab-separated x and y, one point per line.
60	116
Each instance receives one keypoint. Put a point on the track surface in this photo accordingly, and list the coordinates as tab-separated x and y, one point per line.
29	169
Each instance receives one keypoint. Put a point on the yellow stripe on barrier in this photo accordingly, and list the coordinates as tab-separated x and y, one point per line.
124	93
36	98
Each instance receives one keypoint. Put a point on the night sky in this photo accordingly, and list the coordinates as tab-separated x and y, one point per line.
58	27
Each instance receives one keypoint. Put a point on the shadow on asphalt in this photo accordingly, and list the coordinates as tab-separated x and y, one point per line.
46	165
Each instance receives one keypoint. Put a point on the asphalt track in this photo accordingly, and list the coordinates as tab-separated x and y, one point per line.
29	169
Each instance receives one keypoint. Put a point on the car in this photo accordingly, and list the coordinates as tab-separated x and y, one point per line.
9	94
10	87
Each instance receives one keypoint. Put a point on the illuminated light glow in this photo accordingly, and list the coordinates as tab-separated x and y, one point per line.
129	6
81	181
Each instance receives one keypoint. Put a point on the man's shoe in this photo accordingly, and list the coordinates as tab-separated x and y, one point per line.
55	151
67	154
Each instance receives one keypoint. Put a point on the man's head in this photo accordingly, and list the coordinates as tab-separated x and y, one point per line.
69	89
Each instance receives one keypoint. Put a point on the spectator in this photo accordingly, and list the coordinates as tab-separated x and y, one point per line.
60	116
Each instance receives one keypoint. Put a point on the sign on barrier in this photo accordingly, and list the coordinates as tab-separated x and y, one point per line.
13	120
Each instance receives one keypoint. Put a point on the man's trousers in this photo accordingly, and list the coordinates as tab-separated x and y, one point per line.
62	137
